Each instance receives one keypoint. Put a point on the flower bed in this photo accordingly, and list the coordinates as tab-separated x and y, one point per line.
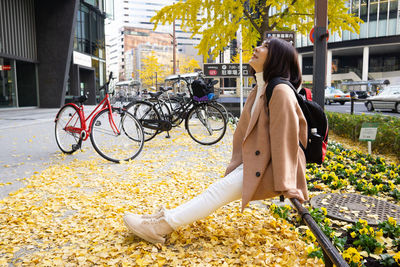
349	171
349	126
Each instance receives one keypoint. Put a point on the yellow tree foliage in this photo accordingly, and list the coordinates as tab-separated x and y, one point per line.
151	66
218	20
187	64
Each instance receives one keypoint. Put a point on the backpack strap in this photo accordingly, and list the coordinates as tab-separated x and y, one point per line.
274	82
270	88
306	92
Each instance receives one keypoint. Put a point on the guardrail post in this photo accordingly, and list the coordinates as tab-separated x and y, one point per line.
331	254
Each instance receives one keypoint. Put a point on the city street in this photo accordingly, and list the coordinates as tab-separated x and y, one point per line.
359	108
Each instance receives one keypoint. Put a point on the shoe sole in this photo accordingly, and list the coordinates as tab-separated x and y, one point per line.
141	235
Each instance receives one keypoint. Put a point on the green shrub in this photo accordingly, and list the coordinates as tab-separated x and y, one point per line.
349	126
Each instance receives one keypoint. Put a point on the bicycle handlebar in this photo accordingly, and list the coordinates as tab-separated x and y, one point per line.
105	86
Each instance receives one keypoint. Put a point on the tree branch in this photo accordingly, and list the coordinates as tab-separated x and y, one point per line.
284	13
294	14
265	24
247	14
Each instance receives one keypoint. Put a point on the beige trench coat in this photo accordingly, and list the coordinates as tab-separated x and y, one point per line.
268	146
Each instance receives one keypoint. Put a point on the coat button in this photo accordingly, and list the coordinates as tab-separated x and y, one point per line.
257	152
258	174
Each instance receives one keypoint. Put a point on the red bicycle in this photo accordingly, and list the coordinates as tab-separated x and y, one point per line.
114	132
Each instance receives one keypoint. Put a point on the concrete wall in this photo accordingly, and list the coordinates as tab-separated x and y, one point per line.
55	25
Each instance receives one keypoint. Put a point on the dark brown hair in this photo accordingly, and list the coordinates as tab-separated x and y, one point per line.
282	61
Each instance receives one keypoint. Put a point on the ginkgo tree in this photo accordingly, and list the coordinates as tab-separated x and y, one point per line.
151	66
187	64
218	20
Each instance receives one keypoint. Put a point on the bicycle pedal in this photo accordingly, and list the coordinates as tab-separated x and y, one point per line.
76	147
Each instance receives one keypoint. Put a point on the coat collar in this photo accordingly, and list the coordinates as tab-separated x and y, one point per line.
257	110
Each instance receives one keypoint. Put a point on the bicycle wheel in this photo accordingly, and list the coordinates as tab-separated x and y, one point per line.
163	110
206	124
116	136
68	129
145	113
223	109
175	109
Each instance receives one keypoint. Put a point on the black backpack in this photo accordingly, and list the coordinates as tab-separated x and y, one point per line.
317	123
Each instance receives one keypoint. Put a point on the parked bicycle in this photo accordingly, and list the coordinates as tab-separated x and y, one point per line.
204	122
114	132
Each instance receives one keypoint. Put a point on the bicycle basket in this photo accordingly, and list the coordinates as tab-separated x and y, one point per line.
201	92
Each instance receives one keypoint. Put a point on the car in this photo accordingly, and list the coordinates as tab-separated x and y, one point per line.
389	98
333	95
361	94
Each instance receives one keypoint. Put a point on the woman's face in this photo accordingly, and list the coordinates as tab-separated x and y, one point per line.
259	57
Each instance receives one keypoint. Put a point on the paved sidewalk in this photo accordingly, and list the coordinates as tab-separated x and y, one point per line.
67	210
27	143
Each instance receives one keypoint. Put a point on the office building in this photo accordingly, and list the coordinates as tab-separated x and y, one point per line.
373	54
50	50
137	14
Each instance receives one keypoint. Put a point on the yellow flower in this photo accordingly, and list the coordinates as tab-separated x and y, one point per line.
363	231
327	221
356	258
310	235
379	233
396	257
273	207
371	230
363	222
325	177
353	234
352	255
332	235
392	186
310	250
324	210
378	251
392	221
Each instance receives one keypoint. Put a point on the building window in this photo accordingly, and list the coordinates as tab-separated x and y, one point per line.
89	32
393	6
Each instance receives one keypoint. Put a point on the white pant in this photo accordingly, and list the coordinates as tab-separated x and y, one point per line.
220	193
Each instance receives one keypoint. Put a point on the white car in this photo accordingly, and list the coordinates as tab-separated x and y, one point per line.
389	98
333	95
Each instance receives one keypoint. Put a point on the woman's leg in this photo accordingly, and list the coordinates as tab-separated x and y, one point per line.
154	228
220	193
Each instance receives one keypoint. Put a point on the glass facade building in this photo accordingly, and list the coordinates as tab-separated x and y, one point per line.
89	42
372	54
49	52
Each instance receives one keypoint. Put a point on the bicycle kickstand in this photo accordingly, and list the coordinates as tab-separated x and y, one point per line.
168	136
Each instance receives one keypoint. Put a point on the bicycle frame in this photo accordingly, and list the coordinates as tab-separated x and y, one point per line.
87	127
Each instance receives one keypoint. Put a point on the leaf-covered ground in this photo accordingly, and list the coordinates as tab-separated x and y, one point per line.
71	213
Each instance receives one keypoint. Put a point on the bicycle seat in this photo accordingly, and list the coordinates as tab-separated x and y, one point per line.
181	94
162	89
79	99
156	94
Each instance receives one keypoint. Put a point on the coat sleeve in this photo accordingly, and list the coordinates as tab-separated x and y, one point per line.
284	139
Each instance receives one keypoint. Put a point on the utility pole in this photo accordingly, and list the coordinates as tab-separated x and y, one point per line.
156	81
320	51
174	48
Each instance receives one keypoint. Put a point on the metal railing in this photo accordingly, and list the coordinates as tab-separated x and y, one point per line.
331	254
